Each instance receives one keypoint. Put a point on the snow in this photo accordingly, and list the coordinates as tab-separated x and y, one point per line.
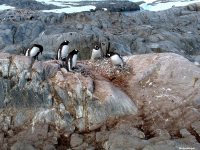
5	7
71	6
71	9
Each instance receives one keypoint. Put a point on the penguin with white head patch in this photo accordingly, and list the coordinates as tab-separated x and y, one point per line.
71	60
96	53
63	51
34	51
116	59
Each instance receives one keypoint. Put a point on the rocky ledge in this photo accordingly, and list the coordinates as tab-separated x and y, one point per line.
175	30
154	103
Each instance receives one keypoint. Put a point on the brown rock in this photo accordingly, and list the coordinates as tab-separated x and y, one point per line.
158	81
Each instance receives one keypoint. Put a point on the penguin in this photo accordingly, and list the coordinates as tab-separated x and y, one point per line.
96	53
116	59
71	60
34	51
63	51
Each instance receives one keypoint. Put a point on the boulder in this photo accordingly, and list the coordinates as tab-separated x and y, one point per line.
158	81
40	100
24	146
117	6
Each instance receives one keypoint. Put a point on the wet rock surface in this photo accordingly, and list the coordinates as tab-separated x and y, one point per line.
142	107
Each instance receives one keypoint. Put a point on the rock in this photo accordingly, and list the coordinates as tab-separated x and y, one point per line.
20	119
185	133
122	128
10	132
100	103
117	6
197	60
1	138
194	7
49	147
124	141
26	4
127	32
76	140
196	127
28	31
82	146
23	146
102	136
165	97
159	147
160	135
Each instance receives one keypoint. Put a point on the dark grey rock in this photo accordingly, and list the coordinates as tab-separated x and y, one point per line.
28	31
185	133
49	147
22	146
27	4
117	6
124	141
76	140
2	138
20	119
196	127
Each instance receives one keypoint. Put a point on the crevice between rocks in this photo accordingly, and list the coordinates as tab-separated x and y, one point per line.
194	133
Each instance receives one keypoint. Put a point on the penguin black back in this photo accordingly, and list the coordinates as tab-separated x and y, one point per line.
116	59
34	51
62	50
71	60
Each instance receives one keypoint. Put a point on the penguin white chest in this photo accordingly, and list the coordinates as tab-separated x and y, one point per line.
74	59
34	51
27	52
116	60
64	51
96	54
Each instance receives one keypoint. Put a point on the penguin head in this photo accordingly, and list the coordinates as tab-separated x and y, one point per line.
96	47
75	51
110	54
65	42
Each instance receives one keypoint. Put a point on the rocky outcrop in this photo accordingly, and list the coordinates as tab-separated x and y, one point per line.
155	97
175	30
117	6
27	4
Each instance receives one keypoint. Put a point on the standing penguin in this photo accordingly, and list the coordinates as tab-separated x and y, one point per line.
34	51
71	60
63	51
96	53
116	59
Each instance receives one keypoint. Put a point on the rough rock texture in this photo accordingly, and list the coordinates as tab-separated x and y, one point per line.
28	4
152	104
137	32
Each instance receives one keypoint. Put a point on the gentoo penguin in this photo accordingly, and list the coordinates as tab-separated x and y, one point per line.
116	59
96	53
71	60
63	51
34	51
